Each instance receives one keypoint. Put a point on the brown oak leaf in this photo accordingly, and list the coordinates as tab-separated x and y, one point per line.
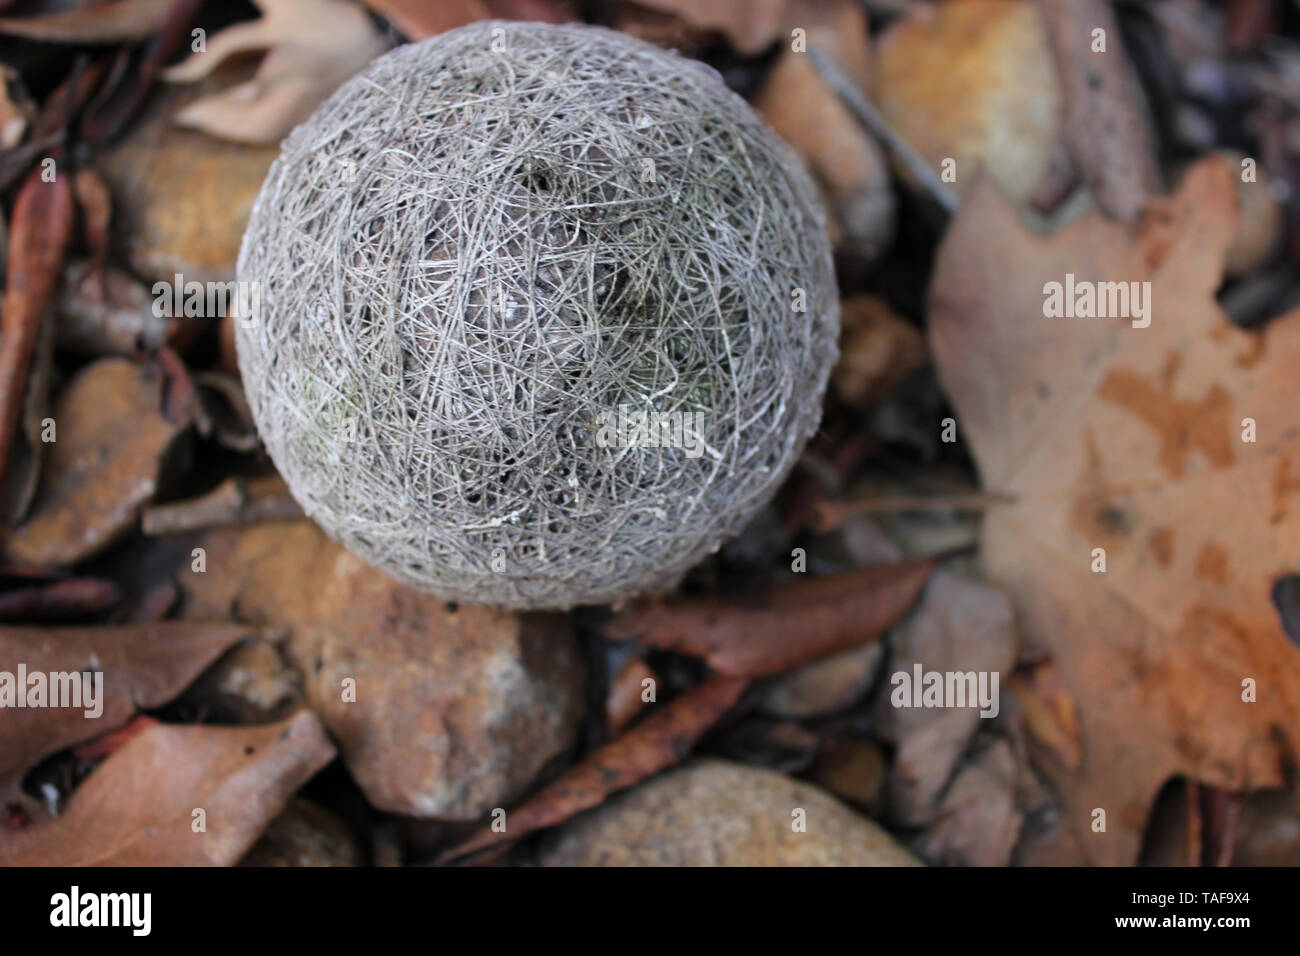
1134	440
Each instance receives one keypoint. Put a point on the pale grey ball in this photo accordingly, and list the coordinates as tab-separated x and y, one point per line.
488	257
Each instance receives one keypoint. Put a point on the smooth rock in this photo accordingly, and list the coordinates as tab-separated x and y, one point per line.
439	710
714	813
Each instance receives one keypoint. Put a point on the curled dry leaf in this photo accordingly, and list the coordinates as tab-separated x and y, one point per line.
117	21
312	46
103	468
39	233
137	808
143	666
1131	440
783	627
657	742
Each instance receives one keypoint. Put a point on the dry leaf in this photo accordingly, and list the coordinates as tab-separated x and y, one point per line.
137	808
115	22
781	628
142	666
657	742
111	439
40	230
1130	439
312	47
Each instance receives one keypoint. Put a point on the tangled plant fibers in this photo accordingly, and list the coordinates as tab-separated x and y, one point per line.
486	256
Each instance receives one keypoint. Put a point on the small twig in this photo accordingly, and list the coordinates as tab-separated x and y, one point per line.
829	515
870	117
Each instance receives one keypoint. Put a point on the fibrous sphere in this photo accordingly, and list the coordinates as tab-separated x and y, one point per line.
543	314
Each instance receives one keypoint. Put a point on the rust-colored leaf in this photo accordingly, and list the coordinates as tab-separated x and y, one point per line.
1138	441
38	238
656	743
114	740
138	807
142	666
115	22
781	628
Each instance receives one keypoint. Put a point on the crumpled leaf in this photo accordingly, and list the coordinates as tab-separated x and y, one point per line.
144	666
312	46
1130	439
137	808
